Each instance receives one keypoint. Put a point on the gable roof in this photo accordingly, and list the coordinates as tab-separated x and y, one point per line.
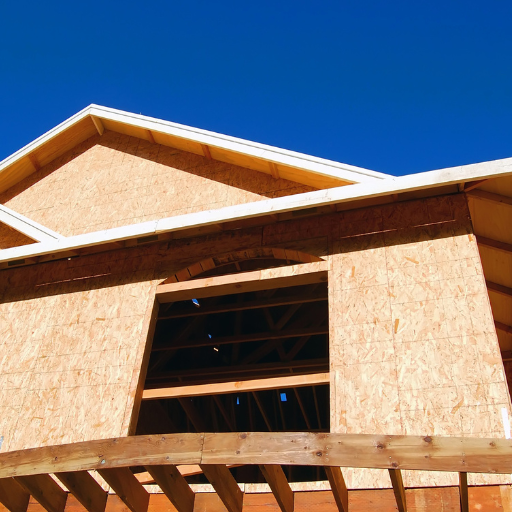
280	163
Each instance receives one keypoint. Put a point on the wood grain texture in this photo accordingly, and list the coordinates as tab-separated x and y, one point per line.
127	487
338	487
12	496
45	490
85	489
398	488
225	486
174	486
275	477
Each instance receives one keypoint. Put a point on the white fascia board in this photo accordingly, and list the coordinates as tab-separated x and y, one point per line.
313	164
27	226
410	183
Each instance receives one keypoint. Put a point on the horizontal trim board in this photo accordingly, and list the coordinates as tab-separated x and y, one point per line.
220	388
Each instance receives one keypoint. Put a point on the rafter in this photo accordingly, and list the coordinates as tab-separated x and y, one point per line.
127	487
490	197
463	492
85	489
499	288
174	486
276	479
398	488
45	490
494	244
225	485
12	496
338	487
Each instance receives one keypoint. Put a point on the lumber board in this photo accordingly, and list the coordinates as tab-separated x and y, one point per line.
398	488
12	496
293	275
490	196
276	479
45	490
219	388
174	486
338	487
85	489
425	453
225	485
494	244
499	288
463	491
127	487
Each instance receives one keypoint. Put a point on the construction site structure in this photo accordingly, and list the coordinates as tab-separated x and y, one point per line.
193	322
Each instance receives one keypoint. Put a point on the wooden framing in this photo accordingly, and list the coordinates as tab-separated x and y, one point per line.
293	381
294	275
160	454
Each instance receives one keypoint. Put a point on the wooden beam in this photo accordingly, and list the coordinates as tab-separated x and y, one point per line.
274	170
499	288
318	296
338	487
398	488
493	244
463	492
294	275
206	151
225	485
490	197
224	413
220	388
151	137
33	160
174	486
98	124
503	327
244	338
302	408
45	490
127	487
12	496
276	479
262	411
473	184
424	453
85	489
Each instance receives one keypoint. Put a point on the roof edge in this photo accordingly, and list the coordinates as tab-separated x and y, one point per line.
409	183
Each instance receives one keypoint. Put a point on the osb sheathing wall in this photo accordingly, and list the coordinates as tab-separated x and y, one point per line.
413	346
11	238
115	180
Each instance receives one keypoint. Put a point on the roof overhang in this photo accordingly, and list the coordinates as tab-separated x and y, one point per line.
430	183
94	119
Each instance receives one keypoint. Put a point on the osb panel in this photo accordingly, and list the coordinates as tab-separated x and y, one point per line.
413	345
11	238
116	180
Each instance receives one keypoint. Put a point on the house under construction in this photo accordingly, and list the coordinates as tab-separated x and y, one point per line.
193	322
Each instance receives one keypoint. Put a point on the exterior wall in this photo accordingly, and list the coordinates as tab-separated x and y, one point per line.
115	180
11	238
413	343
413	346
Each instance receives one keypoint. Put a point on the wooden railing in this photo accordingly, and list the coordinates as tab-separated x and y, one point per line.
27	472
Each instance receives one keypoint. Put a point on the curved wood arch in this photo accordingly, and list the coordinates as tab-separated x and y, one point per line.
208	264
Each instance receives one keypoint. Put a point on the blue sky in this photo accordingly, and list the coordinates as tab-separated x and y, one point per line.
398	87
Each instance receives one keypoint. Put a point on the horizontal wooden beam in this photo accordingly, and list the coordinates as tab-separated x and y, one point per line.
493	244
319	296
425	453
243	338
499	288
490	197
503	327
220	388
268	279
